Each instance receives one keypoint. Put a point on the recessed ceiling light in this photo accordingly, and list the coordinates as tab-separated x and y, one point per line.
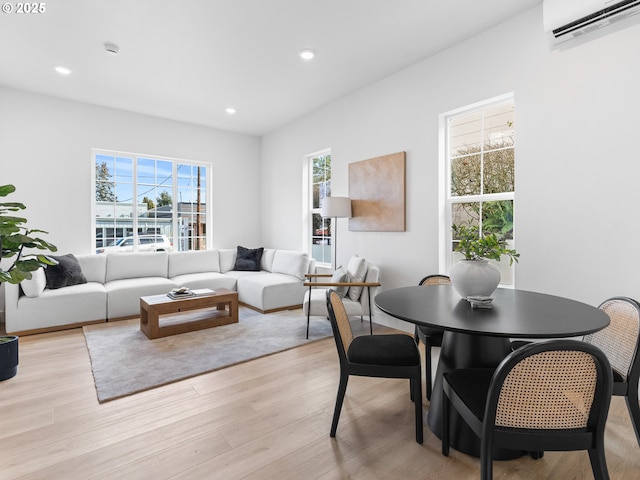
111	48
230	110
63	70
307	54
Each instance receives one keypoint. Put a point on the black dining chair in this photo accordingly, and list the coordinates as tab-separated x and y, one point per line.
430	336
620	342
552	395
387	356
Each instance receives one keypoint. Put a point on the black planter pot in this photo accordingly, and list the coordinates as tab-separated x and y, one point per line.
8	356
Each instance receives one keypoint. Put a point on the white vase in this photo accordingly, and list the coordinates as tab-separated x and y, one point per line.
474	277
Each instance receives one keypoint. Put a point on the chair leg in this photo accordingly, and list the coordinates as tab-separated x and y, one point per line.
598	463
486	460
416	384
634	409
308	312
342	389
370	311
412	389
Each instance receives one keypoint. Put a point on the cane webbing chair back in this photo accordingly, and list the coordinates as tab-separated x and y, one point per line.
551	395
539	393
435	280
619	341
342	320
431	337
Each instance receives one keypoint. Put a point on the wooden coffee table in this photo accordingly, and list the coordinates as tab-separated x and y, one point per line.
161	316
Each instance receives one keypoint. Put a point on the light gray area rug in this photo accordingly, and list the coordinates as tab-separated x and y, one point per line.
125	361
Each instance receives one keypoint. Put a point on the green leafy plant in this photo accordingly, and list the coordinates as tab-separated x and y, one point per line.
15	236
473	246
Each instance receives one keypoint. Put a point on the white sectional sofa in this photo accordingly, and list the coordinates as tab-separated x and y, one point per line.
116	281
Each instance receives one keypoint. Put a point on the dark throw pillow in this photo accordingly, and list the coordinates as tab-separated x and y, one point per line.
248	259
67	272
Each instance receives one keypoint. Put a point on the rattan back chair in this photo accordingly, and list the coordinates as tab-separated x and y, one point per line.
552	395
620	342
387	356
431	337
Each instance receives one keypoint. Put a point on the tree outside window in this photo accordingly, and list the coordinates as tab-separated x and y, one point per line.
321	228
481	174
149	201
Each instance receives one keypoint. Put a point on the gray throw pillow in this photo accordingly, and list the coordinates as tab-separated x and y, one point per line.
248	259
340	276
66	273
357	272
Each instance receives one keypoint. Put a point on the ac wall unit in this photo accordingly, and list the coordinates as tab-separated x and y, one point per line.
567	19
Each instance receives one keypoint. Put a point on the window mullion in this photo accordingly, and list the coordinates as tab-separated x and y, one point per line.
134	202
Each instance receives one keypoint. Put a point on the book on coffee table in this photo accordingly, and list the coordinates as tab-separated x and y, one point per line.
198	292
176	296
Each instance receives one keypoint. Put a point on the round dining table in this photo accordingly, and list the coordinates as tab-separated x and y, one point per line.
481	338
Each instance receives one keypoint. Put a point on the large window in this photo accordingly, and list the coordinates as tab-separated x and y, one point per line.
146	203
479	175
320	233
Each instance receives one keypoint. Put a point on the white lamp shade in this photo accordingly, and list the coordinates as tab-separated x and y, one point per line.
336	207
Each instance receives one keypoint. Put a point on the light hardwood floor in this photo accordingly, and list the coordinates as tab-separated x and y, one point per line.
265	419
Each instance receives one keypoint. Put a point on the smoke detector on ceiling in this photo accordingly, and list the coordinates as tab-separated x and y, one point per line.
111	48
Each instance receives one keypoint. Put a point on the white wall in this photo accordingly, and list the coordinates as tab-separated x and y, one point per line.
45	151
577	172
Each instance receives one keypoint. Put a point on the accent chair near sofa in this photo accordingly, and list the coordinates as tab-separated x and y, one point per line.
355	285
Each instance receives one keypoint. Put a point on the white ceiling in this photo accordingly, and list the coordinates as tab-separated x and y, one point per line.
190	59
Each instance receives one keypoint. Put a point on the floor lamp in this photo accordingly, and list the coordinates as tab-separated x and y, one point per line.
336	207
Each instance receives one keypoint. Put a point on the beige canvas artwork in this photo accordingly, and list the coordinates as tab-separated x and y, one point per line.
377	192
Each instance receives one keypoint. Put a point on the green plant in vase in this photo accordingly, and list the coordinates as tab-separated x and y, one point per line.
474	276
15	237
473	246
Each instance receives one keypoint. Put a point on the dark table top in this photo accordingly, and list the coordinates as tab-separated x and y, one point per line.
515	313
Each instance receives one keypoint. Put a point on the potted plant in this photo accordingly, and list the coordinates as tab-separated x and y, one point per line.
15	237
474	275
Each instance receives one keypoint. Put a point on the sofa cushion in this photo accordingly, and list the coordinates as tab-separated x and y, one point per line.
197	261
75	304
136	265
270	291
123	296
212	280
35	286
93	267
248	259
357	272
289	262
266	263
227	259
66	273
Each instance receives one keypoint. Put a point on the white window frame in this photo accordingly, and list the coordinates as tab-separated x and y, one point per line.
445	198
174	192
309	211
